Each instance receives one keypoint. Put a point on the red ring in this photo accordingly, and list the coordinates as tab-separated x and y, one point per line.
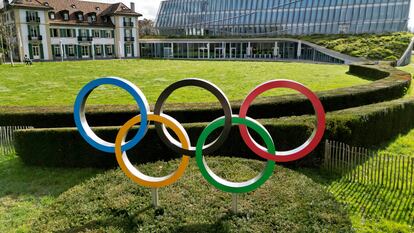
299	152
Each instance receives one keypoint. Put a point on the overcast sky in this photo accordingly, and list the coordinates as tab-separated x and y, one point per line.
149	8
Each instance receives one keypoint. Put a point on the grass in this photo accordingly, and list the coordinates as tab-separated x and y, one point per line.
110	202
379	209
410	69
372	46
53	84
27	191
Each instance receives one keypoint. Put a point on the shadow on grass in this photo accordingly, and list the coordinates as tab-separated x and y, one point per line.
18	179
370	201
129	223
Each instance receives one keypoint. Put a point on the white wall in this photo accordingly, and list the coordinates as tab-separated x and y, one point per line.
24	32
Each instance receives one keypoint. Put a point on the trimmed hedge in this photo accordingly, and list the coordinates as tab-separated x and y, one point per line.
367	126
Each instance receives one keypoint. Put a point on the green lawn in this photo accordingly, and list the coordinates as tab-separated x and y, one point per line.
376	209
51	84
25	192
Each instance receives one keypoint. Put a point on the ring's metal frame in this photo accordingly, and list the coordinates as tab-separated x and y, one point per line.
82	123
170	141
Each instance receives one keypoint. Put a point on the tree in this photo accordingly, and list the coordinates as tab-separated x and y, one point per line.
8	40
146	28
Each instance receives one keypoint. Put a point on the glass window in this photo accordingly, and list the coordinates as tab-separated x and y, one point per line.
80	16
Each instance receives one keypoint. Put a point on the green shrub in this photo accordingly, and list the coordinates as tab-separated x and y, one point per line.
390	84
366	126
110	202
372	46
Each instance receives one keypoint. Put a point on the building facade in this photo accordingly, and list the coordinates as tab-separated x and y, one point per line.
263	49
281	17
70	30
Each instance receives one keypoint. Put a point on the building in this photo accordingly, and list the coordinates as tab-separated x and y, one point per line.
281	17
263	49
71	29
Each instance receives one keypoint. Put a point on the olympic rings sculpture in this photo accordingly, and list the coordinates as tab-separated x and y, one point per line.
183	146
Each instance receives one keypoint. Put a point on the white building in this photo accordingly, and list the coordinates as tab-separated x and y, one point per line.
71	29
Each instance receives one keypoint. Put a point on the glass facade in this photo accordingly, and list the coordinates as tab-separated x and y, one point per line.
281	17
240	49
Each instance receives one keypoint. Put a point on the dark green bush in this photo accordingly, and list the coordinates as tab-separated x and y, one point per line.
390	84
367	126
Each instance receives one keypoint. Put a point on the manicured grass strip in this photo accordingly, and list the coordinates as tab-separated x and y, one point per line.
57	84
288	202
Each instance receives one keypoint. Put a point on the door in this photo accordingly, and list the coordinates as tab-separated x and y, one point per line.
203	53
168	52
218	53
36	52
233	52
128	50
85	51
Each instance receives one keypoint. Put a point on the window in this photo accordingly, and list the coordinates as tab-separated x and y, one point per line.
98	50
71	50
128	33
63	33
85	51
106	34
66	16
80	16
92	17
54	32
56	50
95	33
36	51
33	30
52	16
83	32
32	15
109	50
128	50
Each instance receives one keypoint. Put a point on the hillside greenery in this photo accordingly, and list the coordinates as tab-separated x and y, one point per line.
372	46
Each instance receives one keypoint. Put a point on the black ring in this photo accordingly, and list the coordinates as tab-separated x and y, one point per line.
168	140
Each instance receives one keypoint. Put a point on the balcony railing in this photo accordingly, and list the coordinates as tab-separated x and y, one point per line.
35	37
129	38
33	19
85	38
128	24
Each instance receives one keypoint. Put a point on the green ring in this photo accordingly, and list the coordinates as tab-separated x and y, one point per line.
225	185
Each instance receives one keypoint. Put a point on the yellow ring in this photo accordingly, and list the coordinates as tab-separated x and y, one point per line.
133	173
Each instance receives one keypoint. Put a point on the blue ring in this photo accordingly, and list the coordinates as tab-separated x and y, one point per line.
79	112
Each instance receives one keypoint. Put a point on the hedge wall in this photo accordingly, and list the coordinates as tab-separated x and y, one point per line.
367	126
391	84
